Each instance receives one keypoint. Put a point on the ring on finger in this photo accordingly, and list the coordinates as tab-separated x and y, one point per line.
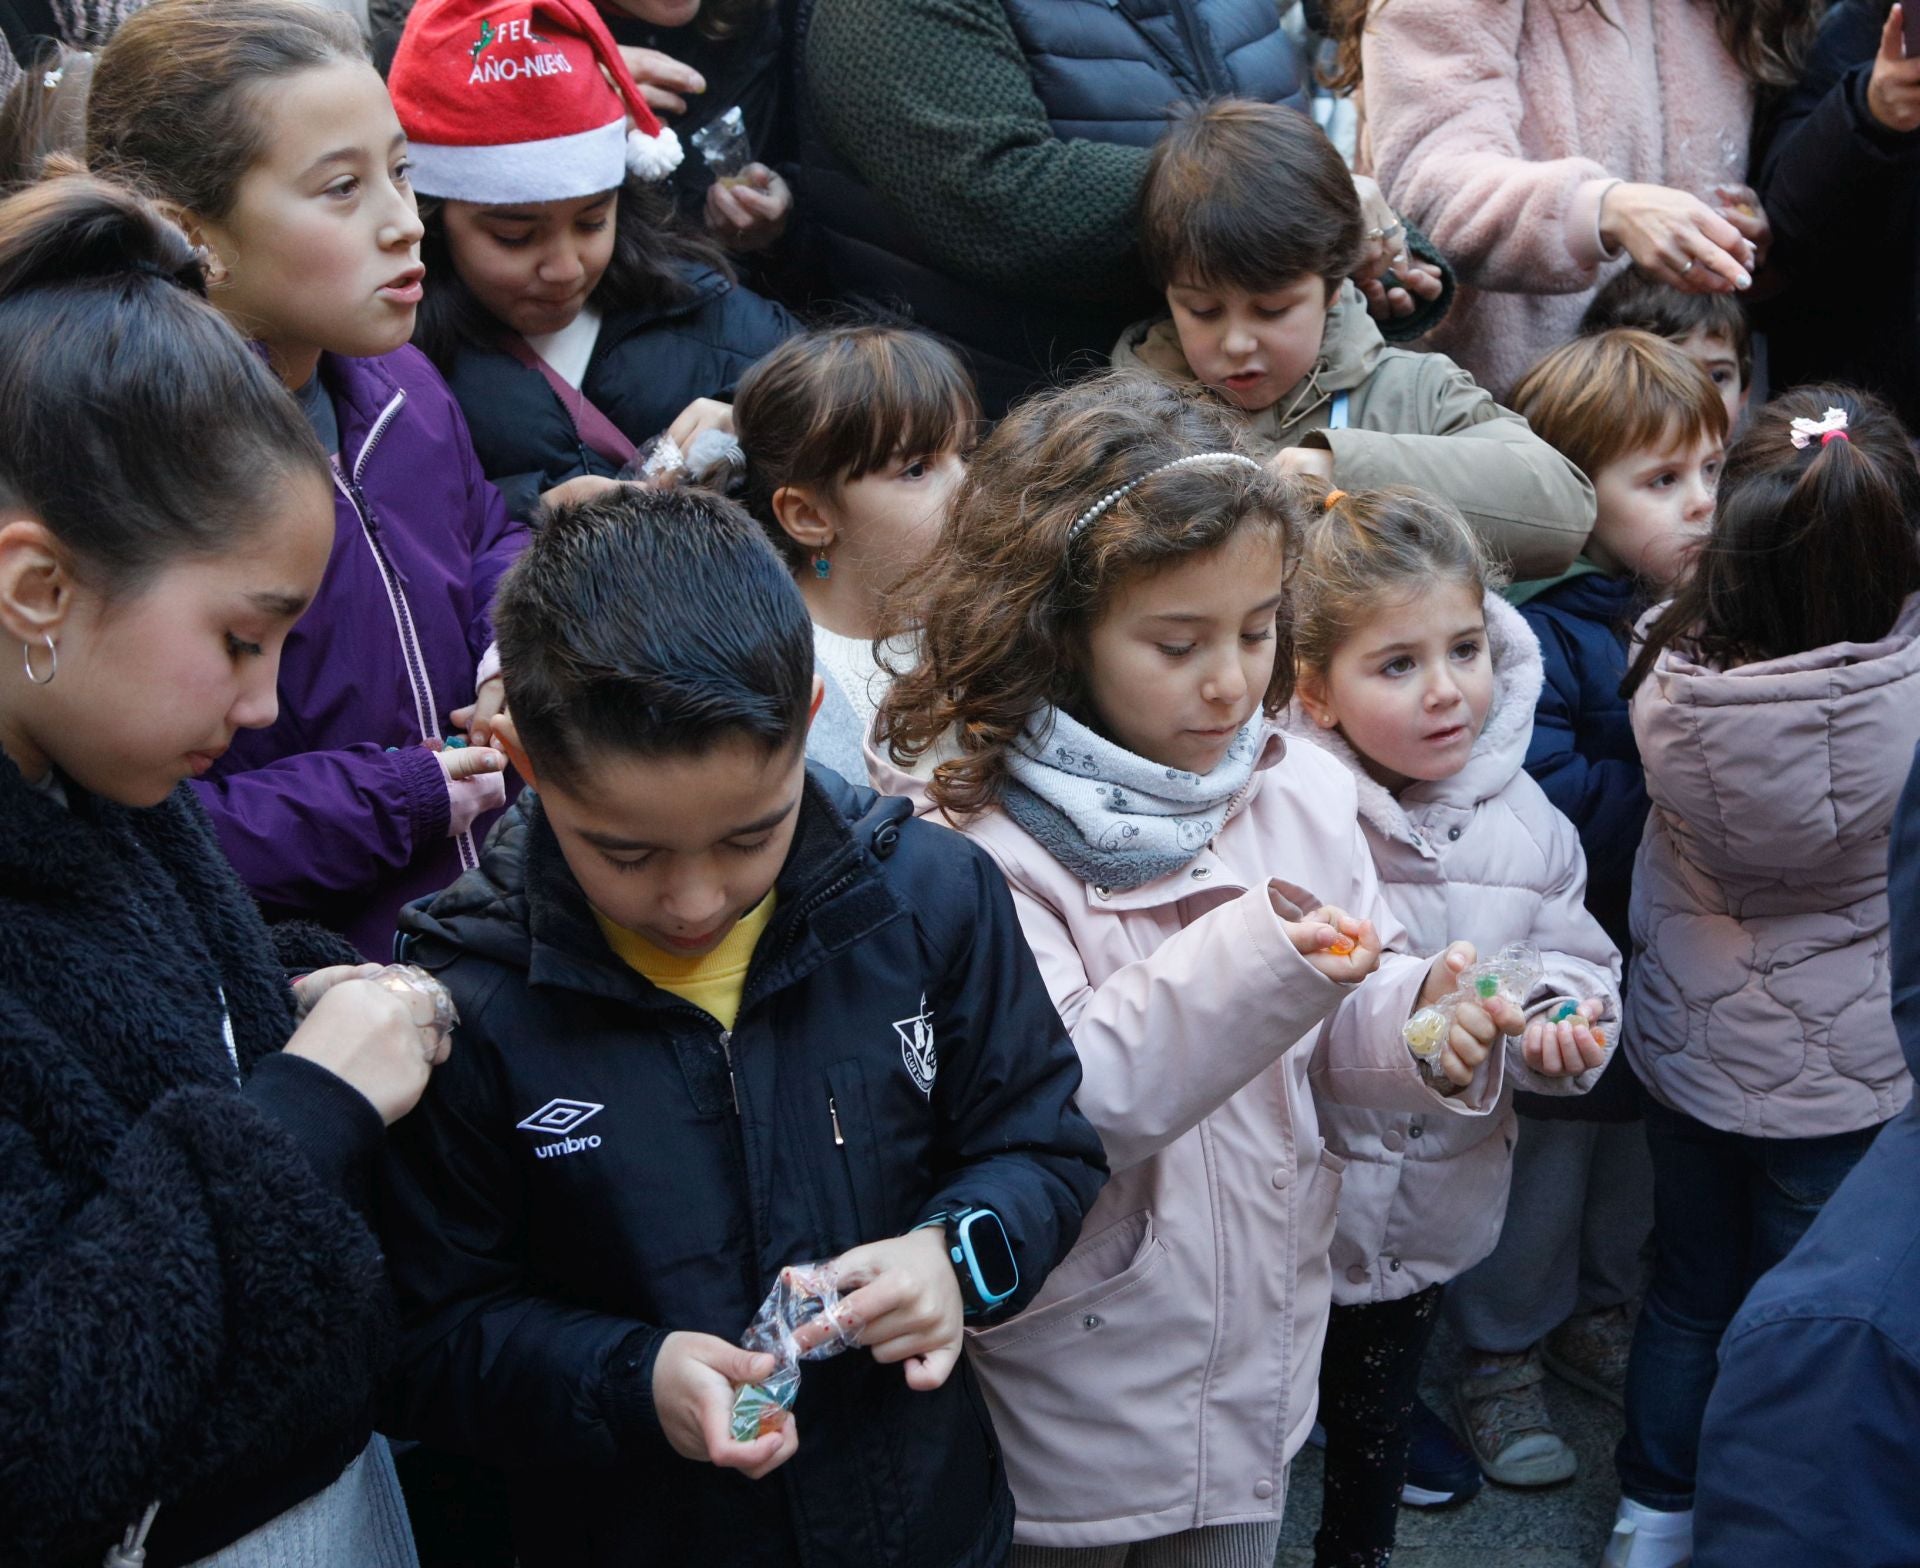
1688	267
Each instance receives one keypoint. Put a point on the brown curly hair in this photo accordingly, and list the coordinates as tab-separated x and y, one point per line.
1002	608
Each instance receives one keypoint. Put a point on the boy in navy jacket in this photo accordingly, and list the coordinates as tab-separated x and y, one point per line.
720	1014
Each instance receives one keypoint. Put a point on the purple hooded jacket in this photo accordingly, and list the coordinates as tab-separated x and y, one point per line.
337	812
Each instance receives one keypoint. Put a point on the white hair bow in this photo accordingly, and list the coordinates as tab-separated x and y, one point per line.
1826	427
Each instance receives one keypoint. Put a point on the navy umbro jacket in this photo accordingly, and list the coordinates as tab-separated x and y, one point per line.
579	1181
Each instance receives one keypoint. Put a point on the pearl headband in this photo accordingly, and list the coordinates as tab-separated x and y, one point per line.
1107	502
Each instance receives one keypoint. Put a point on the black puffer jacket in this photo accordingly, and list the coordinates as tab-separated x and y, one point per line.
1843	192
540	1270
647	366
191	1307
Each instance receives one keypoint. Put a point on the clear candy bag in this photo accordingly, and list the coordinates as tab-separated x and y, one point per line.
1512	972
804	1293
723	144
713	458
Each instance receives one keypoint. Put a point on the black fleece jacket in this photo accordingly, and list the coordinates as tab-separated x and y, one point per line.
600	1165
192	1307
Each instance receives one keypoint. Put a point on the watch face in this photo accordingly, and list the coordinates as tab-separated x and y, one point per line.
993	1263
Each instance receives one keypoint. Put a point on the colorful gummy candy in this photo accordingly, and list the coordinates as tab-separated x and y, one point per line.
1512	972
1341	947
803	1293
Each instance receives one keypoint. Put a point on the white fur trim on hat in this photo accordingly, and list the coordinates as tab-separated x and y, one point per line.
653	157
561	168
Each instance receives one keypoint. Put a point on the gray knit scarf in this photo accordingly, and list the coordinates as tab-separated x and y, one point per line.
1113	819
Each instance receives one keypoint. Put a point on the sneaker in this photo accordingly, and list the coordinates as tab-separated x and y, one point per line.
1507	1424
1440	1471
1646	1537
1589	1351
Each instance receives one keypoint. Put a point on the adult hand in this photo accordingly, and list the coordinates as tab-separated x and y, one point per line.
383	1041
751	214
904	1305
1393	280
1303	462
1740	206
1893	90
1568	1048
663	81
694	1379
1341	947
475	721
1677	238
1475	1028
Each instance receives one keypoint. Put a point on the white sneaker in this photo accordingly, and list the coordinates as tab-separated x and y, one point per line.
1646	1537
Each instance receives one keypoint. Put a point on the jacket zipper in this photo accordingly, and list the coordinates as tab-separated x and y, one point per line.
833	1115
1190	29
726	1050
424	707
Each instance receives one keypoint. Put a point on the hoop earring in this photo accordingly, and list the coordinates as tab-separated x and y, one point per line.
26	659
822	567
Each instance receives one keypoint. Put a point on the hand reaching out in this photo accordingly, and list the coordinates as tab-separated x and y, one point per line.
1476	1025
902	1301
1341	947
1567	1048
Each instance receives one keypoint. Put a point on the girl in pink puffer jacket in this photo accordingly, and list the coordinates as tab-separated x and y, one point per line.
1776	703
1422	683
1099	658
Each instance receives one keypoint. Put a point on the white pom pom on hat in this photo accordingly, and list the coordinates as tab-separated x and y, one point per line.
527	101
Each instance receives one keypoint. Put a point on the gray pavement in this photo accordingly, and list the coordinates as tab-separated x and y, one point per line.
1558	1527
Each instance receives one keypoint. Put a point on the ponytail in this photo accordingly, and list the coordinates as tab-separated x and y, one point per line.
1812	545
134	422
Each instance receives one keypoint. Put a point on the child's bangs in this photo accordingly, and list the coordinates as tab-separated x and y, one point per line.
900	395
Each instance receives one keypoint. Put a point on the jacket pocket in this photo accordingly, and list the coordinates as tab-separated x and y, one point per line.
846	1120
1320	1205
1081	1386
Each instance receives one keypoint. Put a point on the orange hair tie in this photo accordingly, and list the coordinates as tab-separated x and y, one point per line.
1334	498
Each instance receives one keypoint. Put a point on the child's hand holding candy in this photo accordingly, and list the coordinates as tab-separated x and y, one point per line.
1341	947
902	1300
1475	1026
695	1378
1563	1043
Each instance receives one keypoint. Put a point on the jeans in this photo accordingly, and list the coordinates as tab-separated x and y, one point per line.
1726	1208
1369	1378
358	1522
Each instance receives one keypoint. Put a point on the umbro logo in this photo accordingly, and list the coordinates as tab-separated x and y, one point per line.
562	1117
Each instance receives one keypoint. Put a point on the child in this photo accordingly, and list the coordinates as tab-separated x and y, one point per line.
1776	702
195	1311
263	124
571	316
1644	422
855	440
1250	224
1422	681
787	1020
1711	329
1099	625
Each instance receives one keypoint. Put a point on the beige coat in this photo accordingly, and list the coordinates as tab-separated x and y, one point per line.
1484	856
1759	999
1166	1375
1415	419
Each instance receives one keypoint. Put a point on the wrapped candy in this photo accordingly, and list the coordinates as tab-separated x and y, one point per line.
1512	972
723	144
804	1293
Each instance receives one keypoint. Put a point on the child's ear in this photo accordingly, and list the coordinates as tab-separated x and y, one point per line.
799	514
36	591
1310	686
209	238
507	738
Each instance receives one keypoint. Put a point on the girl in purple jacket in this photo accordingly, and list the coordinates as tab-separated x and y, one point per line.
262	123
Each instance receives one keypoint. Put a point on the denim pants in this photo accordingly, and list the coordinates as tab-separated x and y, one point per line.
358	1522
1726	1208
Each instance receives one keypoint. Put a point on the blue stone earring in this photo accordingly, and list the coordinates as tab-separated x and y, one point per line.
822	567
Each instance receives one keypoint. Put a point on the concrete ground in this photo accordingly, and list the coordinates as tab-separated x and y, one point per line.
1557	1527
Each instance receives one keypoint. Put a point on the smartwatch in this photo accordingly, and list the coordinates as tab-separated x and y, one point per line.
982	1257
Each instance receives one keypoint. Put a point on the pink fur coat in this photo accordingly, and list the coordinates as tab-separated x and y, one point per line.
1496	126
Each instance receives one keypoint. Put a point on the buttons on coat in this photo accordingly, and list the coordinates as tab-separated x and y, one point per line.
1263	1489
1392	1142
1101	892
1090	1321
1282	1177
1200	873
1357	1273
886	839
1453	833
1414	1130
1394	1264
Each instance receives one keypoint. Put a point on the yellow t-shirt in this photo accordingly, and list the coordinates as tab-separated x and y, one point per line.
714	981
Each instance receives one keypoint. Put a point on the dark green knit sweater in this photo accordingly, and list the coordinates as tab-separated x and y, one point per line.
932	103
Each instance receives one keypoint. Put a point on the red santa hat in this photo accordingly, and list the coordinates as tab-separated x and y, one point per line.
524	101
